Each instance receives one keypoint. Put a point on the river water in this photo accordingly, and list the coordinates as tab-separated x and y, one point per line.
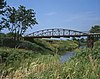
66	56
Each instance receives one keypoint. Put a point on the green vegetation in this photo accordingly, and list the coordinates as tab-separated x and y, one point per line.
25	64
40	58
85	65
95	29
22	44
2	35
35	60
14	62
62	46
97	44
56	46
2	4
17	21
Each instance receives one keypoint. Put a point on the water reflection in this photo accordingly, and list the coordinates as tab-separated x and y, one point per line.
66	56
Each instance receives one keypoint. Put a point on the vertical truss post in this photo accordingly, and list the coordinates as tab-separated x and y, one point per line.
52	31
42	34
58	32
63	32
69	32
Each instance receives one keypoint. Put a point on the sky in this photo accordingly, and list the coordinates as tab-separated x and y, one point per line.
78	15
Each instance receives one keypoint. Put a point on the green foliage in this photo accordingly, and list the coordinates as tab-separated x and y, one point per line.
10	34
57	46
2	4
43	43
12	59
71	45
2	35
31	46
30	65
97	44
95	29
9	42
62	46
21	44
2	11
85	65
17	21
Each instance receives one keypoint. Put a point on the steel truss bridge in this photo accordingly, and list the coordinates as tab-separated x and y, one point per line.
58	32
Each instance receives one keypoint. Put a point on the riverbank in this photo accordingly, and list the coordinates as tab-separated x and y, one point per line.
40	45
85	65
28	64
25	64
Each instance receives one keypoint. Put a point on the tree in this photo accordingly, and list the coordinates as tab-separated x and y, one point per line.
2	10
17	21
95	29
2	4
10	34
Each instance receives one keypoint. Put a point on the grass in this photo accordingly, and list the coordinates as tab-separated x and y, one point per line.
40	45
32	64
57	46
15	62
85	65
25	64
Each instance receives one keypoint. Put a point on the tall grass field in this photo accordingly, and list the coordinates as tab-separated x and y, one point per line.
25	64
41	60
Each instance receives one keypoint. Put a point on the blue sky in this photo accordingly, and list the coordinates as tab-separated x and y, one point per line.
69	14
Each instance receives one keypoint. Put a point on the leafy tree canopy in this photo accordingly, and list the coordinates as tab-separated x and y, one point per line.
2	4
17	21
95	29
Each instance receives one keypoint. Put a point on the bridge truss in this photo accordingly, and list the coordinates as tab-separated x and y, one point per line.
58	32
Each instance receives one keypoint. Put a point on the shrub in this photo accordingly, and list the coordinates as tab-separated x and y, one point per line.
97	44
22	44
10	42
12	59
2	35
30	46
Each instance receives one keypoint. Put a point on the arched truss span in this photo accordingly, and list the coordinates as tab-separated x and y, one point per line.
57	32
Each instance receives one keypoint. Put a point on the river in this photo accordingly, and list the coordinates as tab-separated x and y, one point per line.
66	56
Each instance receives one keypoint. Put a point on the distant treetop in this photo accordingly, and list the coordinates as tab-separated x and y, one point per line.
95	29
